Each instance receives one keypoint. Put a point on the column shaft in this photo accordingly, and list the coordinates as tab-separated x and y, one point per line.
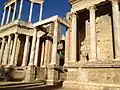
25	56
93	44
2	49
73	50
8	50
33	49
14	50
37	51
67	45
54	46
20	10
31	9
3	18
8	16
41	9
116	27
13	17
42	54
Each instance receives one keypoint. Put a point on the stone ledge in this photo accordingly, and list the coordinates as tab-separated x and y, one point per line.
101	65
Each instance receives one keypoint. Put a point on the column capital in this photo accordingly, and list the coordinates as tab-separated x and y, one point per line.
92	8
114	2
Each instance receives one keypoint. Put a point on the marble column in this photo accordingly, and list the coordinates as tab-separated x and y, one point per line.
73	50
54	46
20	10
14	50
93	44
31	9
8	16
32	54
3	18
25	56
37	51
8	50
14	12
67	45
46	52
116	27
42	54
2	50
41	9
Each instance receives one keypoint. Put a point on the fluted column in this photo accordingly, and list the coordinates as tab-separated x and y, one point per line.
8	16
116	27
15	5
67	45
33	49
54	46
30	15
20	10
42	54
8	50
2	50
3	18
93	44
25	56
37	51
14	50
73	50
41	9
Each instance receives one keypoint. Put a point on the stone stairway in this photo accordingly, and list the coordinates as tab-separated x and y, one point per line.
27	86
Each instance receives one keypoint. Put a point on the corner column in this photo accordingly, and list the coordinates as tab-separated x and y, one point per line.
31	8
73	50
116	27
8	50
33	49
37	51
54	46
41	9
3	18
13	17
93	44
20	10
8	16
26	49
14	50
67	44
42	54
2	50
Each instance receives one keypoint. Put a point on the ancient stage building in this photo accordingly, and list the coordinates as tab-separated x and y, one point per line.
93	45
31	51
87	59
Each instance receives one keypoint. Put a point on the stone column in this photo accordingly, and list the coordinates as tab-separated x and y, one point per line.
30	15
54	46
14	50
8	16
116	27
37	51
73	51
15	5
7	51
93	44
3	18
2	50
41	9
25	56
46	52
20	10
67	45
42	54
31	62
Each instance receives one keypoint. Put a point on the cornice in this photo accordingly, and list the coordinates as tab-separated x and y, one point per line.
73	1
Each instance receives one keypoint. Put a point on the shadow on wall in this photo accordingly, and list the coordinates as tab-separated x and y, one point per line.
5	73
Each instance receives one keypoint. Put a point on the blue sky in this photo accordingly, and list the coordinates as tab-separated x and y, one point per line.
50	8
